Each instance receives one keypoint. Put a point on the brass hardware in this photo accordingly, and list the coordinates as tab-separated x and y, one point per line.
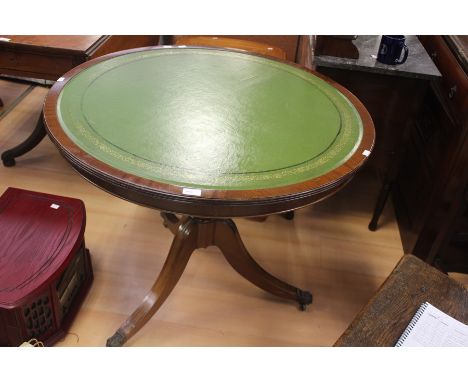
452	91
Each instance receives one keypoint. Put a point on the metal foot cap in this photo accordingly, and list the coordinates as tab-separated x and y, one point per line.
118	339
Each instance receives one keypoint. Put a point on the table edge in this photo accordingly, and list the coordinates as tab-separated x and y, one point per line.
132	185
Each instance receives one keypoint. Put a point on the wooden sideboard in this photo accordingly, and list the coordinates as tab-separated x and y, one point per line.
48	57
432	188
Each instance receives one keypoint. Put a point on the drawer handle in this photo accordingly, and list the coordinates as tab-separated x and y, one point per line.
452	91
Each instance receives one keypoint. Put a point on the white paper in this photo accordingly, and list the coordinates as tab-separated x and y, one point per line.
435	328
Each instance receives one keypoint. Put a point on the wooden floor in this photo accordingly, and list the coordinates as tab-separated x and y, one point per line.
326	249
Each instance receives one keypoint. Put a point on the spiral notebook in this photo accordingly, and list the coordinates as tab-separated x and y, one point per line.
432	327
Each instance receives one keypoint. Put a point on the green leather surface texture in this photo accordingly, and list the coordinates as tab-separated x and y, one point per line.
208	118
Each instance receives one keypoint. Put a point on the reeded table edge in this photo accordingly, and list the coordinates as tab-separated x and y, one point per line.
211	202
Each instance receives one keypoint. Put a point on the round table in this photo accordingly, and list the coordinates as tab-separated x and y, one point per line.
209	134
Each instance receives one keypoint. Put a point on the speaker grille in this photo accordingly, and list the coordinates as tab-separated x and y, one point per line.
38	317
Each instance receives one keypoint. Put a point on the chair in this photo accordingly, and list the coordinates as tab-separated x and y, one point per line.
231	43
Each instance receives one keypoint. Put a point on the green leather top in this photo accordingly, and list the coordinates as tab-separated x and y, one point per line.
208	118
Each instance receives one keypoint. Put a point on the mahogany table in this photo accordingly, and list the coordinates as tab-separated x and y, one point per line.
48	57
210	134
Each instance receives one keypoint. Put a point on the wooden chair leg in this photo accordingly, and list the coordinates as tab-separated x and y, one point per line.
185	242
227	238
8	157
380	204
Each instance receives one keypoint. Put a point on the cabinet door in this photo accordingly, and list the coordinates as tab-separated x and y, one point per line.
444	144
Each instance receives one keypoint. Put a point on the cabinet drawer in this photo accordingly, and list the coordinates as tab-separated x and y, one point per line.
35	65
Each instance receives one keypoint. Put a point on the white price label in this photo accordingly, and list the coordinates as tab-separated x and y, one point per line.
191	191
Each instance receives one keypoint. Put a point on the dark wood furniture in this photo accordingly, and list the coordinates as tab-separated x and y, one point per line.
393	94
290	44
231	43
48	57
196	151
385	317
294	48
45	269
434	223
336	46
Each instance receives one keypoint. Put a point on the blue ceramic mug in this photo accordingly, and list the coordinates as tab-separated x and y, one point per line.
390	50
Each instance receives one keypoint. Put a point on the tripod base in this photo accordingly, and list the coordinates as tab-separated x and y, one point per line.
191	234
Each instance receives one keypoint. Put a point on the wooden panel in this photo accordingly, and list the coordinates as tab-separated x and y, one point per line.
79	44
429	150
459	47
49	57
35	65
454	83
454	258
288	43
428	219
116	43
233	43
305	51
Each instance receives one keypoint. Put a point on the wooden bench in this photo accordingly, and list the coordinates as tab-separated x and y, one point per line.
413	282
